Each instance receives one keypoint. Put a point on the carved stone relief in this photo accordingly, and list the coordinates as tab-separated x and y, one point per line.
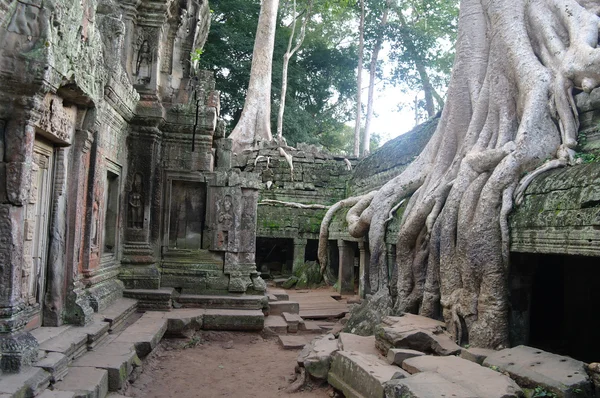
58	122
136	203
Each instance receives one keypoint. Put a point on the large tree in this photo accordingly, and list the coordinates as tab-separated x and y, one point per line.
255	121
509	108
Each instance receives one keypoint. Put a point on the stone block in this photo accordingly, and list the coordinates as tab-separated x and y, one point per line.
72	342
293	321
280	294
118	359
151	299
253	302
276	323
293	342
28	383
249	320
396	356
317	359
183	320
353	343
57	394
279	307
426	385
475	354
118	312
359	375
483	382
310	326
531	367
85	382
144	334
54	363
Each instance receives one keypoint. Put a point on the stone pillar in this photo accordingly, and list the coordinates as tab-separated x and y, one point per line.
392	269
346	269
365	259
299	254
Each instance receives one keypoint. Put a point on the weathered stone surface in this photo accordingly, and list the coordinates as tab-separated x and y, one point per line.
28	383
119	311
293	342
72	342
359	375
118	359
396	356
532	367
276	323
293	321
151	299
426	385
475	354
253	302
144	334
85	382
317	358
352	343
57	394
233	320
54	363
280	294
483	382
310	326
279	307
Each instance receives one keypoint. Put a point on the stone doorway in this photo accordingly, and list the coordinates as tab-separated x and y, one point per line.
36	229
187	213
554	304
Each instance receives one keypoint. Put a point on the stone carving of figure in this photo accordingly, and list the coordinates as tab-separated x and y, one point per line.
95	221
136	203
143	67
225	217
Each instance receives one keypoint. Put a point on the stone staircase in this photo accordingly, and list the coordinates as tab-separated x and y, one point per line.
414	357
96	361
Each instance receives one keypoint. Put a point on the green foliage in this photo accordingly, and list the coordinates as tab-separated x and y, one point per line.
540	392
193	342
320	77
196	55
588	157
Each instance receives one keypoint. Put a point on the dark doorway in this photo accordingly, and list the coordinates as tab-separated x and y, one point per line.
560	294
274	256
312	249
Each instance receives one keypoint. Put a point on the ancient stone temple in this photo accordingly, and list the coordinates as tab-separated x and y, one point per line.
115	175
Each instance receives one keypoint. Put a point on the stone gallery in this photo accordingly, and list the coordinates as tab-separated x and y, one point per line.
119	192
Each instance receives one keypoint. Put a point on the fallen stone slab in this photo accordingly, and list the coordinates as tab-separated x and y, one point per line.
359	375
416	333
27	383
531	367
317	355
354	343
396	356
276	324
249	320
118	359
426	385
475	354
145	334
54	363
279	307
293	342
57	394
483	382
85	382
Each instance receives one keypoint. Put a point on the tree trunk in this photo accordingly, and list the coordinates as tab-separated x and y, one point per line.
427	88
361	49
255	122
509	108
286	61
372	74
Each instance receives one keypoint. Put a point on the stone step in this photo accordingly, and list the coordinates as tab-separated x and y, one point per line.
272	298
359	375
118	312
27	383
279	307
316	356
144	334
119	359
426	385
310	327
151	299
276	323
482	382
397	356
54	363
85	382
58	394
280	294
222	302
224	319
71	342
293	321
531	368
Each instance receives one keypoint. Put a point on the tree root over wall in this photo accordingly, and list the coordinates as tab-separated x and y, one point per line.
510	108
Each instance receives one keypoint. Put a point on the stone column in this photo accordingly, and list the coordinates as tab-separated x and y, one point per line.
299	254
365	259
392	269
346	269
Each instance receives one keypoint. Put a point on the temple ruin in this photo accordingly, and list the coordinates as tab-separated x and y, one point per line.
119	188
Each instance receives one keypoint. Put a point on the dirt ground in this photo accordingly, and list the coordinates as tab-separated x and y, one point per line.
220	364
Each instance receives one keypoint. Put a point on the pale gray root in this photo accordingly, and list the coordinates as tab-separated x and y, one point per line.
324	231
254	125
301	379
510	106
271	202
289	160
259	158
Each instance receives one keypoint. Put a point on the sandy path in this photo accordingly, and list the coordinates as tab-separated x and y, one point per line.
222	364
